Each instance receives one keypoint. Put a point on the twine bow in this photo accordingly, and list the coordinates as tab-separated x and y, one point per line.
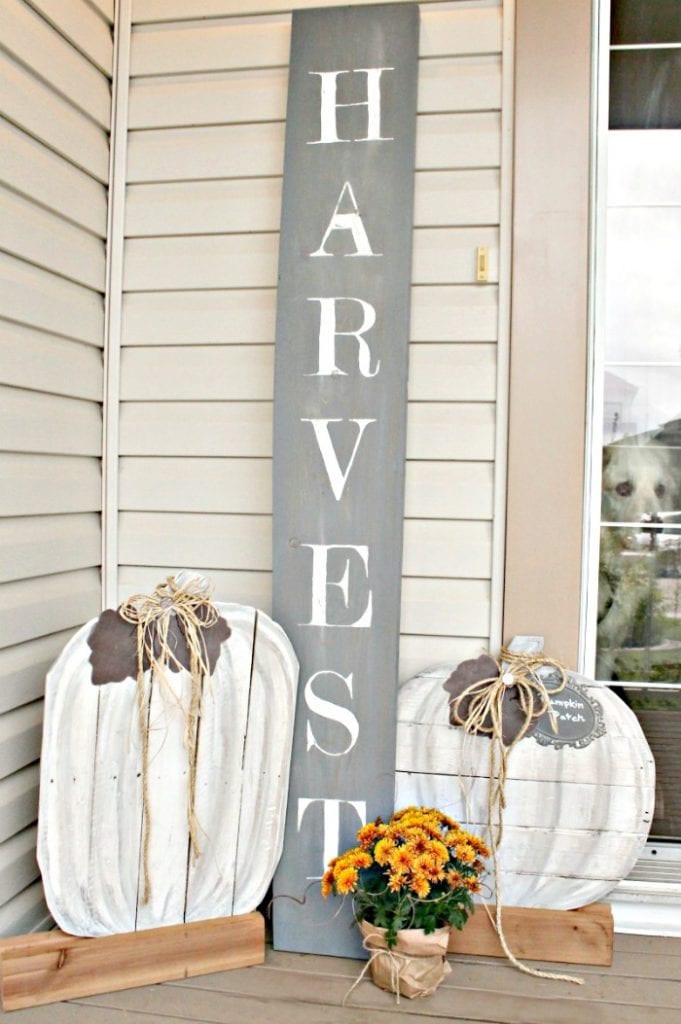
188	603
479	708
397	962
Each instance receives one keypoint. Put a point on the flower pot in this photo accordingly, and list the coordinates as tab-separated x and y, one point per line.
416	964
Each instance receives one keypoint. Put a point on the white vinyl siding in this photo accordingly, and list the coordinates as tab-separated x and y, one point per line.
55	67
205	157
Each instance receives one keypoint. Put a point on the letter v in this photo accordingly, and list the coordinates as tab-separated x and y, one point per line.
337	478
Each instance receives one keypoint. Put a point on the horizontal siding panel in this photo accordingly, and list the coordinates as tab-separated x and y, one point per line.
48	241
41	545
452	198
248	151
449	490
443	256
37	109
23	669
447	548
200	318
241	429
43	362
244	261
259	94
18	864
464	373
433	490
210	207
177	49
448	255
232	97
420	652
203	373
448	141
468	83
440	313
20	738
18	801
443	142
431	548
249	588
34	422
44	484
435	430
461	313
27	912
200	47
85	29
446	607
196	485
203	541
49	604
211	373
440	430
33	170
442	198
35	43
39	299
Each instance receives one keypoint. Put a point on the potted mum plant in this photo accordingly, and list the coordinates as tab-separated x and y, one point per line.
411	879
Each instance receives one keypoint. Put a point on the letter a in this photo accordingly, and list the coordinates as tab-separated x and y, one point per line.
347	222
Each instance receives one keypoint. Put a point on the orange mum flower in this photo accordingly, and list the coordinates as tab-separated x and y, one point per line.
465	853
327	883
454	879
368	833
421	886
346	881
472	884
383	850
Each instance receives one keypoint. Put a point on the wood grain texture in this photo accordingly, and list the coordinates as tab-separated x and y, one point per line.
576	820
583	936
39	969
91	811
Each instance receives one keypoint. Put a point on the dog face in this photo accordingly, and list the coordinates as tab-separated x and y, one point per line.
639	483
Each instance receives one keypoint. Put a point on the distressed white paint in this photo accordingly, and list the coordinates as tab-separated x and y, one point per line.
576	820
90	824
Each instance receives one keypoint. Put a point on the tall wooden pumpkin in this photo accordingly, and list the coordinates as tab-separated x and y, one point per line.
94	816
578	807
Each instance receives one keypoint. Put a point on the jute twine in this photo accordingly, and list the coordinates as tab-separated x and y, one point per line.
484	714
396	961
151	614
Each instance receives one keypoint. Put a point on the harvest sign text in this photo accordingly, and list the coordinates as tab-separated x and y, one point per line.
339	434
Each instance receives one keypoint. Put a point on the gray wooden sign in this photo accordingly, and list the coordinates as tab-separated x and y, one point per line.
339	436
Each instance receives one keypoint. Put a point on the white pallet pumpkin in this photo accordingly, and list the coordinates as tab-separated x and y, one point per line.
91	820
576	819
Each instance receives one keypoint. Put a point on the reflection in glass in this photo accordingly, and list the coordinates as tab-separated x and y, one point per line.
645	88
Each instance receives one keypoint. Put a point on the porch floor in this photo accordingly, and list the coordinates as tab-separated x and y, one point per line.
644	983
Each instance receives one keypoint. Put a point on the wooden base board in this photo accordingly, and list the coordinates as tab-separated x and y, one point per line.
583	936
50	966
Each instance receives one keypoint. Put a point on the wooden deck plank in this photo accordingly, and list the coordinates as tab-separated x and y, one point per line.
306	989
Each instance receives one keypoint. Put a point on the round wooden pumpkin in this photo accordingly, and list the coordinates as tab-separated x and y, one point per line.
91	824
577	814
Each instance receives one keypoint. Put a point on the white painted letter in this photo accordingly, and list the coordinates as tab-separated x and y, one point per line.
333	712
320	584
337	478
329	105
328	333
331	824
347	222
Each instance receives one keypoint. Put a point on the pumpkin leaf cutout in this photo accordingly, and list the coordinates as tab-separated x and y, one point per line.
512	715
113	646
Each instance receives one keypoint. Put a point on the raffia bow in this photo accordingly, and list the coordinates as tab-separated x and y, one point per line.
188	603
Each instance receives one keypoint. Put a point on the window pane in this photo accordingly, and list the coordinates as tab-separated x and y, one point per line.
645	89
643	274
645	21
659	713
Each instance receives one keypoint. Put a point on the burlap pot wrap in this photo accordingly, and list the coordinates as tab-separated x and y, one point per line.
414	967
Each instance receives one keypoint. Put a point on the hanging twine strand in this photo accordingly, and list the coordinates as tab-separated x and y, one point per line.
151	614
484	714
